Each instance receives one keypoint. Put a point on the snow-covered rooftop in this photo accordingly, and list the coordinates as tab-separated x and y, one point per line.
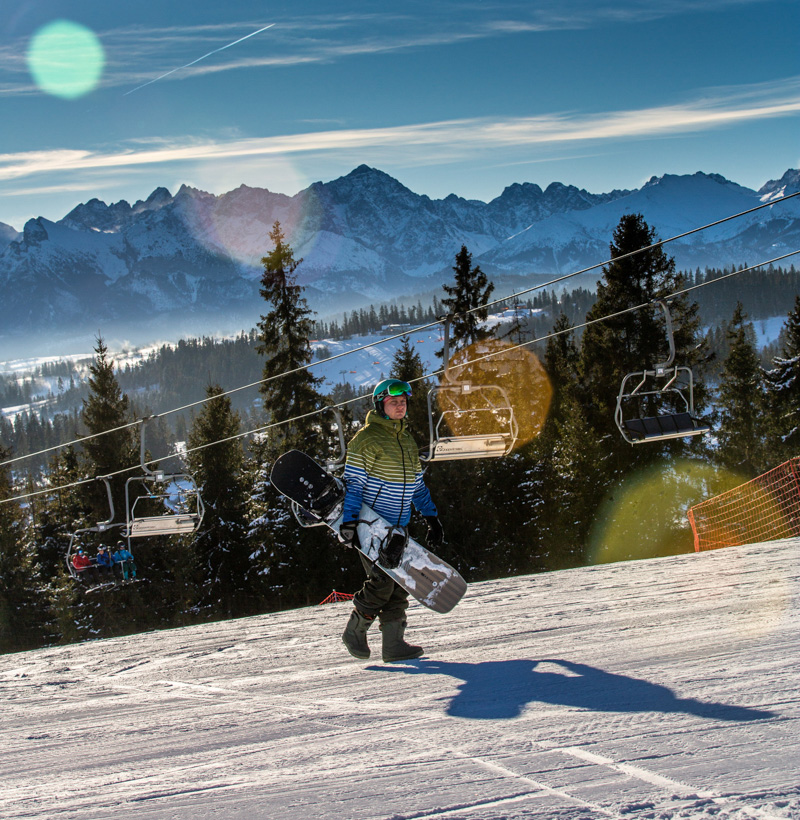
660	688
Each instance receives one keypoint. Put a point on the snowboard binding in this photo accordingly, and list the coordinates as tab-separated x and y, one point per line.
390	553
323	502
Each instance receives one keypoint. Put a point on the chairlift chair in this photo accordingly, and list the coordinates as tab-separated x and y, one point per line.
488	403
178	492
665	380
101	526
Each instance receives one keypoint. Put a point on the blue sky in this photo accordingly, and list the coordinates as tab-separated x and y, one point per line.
448	97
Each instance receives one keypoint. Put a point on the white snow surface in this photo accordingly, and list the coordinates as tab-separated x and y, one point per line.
663	688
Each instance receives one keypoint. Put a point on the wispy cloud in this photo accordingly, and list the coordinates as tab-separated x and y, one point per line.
135	54
431	142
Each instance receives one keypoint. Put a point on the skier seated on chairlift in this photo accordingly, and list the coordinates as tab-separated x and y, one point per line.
123	558
84	566
383	470
105	563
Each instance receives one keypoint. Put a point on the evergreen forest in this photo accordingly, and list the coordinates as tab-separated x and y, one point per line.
571	493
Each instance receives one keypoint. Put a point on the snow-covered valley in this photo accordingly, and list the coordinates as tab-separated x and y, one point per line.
662	688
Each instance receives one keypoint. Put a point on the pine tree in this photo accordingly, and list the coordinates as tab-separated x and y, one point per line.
22	602
298	565
58	514
742	401
563	489
106	409
562	360
229	585
635	340
284	335
471	290
783	390
407	366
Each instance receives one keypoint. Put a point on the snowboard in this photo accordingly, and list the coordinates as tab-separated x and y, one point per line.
320	497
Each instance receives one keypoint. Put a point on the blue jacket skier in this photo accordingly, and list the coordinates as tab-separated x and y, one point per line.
124	558
105	562
383	470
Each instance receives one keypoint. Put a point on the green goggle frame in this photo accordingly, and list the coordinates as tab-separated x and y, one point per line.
399	389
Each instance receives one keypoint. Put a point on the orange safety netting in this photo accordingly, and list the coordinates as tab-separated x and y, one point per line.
335	597
764	509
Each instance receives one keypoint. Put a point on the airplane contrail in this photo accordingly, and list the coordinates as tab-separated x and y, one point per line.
179	68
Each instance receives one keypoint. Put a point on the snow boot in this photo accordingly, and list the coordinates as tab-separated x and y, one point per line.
354	636
394	647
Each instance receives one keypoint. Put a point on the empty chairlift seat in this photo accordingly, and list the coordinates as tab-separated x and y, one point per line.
673	425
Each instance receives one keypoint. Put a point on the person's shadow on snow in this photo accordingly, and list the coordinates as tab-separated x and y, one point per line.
496	690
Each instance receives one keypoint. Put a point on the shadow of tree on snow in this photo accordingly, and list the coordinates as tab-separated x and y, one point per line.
496	690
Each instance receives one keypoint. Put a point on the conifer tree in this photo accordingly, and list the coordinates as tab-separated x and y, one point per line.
562	359
565	486
407	366
298	565
635	340
22	602
742	401
59	513
284	334
471	290
106	409
783	390
229	583
572	481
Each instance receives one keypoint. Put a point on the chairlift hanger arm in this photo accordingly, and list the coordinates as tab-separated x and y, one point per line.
342	444
142	446
660	368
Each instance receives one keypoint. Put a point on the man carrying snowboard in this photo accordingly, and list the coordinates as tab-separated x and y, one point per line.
383	470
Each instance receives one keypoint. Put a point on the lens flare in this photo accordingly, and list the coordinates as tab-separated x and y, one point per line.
502	378
237	224
66	59
645	516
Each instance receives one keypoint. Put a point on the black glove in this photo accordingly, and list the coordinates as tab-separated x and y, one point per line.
435	532
349	534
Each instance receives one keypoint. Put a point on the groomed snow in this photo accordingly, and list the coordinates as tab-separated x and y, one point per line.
665	688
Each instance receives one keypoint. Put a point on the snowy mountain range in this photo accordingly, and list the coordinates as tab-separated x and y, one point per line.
190	263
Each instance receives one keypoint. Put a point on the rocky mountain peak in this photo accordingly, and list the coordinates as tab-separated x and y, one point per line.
158	199
34	232
789	183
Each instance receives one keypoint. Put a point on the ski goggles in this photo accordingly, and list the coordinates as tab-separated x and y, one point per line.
399	388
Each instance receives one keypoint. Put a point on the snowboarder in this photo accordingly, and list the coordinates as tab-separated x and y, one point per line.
383	470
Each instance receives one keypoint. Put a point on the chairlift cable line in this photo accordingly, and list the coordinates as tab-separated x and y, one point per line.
271	425
406	333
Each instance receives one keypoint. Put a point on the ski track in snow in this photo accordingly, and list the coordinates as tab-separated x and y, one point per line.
661	689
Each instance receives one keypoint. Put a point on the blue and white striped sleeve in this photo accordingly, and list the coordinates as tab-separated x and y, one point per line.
355	480
421	498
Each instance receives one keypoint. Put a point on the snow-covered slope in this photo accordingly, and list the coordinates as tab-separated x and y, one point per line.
665	688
